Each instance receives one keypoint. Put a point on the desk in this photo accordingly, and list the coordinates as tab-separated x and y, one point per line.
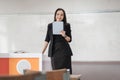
14	63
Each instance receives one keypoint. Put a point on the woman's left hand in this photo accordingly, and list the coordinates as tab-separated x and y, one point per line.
63	33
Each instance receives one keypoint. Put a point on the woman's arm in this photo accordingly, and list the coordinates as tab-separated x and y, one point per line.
47	39
67	38
67	33
45	46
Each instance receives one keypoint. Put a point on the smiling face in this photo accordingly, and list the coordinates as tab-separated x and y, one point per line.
59	15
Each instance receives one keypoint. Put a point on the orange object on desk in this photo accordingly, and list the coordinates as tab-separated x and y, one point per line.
15	63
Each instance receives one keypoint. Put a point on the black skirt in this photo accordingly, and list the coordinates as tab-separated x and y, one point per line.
60	59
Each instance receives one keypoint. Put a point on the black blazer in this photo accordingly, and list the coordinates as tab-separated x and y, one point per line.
49	37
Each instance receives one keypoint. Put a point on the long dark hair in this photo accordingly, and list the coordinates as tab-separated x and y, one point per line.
64	19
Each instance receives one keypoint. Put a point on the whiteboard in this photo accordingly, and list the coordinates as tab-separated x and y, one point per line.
95	36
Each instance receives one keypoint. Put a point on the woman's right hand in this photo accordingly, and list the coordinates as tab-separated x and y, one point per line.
45	46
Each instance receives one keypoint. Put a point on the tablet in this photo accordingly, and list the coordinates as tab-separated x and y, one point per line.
57	27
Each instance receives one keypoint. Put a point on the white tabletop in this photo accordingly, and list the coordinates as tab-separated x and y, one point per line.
19	55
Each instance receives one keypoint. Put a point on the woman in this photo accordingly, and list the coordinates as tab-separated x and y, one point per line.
59	49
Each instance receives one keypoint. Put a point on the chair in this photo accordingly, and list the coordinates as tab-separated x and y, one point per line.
60	74
41	76
30	76
75	77
28	71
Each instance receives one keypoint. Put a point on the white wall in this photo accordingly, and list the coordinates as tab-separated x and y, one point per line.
49	6
95	27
